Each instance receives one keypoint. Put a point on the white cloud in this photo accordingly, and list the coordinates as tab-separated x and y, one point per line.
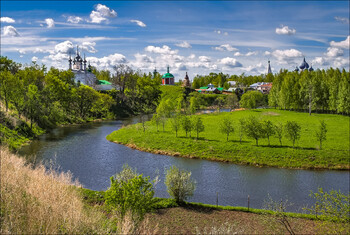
204	59
102	13
341	63
184	44
217	31
89	47
237	53
161	50
334	52
139	23
34	59
286	55
50	22
10	31
342	44
7	20
250	53
226	47
65	47
285	30
107	62
230	62
225	33
343	20
74	19
320	61
267	53
21	51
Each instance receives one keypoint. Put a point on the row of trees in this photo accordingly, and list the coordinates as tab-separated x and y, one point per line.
320	90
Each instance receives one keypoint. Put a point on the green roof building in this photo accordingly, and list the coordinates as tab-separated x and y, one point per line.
168	78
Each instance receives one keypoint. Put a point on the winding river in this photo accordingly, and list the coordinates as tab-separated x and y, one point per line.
84	151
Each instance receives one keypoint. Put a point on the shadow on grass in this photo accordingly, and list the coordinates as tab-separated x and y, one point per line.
237	141
286	146
199	138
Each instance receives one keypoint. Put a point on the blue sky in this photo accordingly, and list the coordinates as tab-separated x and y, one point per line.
199	37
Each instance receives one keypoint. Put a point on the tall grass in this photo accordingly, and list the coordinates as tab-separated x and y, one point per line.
37	200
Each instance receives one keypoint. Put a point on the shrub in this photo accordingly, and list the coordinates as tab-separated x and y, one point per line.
321	133
179	184
130	193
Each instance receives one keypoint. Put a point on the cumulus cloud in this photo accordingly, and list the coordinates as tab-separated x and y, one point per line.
230	62
237	53
139	23
102	13
7	20
10	31
184	44
343	20
285	30
65	47
342	44
204	59
89	47
320	61
50	22
334	52
34	59
226	47
161	50
107	62
286	55
74	19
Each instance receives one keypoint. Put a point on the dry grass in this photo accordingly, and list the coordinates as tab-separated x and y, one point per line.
40	201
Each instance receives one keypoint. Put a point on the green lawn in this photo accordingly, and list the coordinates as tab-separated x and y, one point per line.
212	145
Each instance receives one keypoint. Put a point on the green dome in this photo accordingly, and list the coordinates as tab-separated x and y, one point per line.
168	75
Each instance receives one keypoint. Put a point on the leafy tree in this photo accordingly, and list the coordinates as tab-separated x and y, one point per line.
226	127
194	104
232	101
186	124
176	123
6	86
251	99
268	129
321	133
156	119
220	102
33	103
279	132
242	123
292	131
130	192
179	184
198	125
254	128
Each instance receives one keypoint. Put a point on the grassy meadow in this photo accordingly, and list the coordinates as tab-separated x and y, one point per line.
212	144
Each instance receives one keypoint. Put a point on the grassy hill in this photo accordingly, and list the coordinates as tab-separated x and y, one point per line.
212	144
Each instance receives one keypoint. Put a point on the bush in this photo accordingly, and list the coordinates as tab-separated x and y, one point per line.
179	184
130	193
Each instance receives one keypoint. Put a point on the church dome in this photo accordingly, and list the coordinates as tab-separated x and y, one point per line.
304	65
168	75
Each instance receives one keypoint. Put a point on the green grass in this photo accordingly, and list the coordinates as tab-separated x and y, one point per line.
212	144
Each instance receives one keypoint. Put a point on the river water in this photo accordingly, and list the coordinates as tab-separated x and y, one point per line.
84	151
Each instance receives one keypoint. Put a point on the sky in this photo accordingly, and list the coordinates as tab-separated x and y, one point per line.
198	37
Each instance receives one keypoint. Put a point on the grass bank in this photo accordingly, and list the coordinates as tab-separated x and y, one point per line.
212	144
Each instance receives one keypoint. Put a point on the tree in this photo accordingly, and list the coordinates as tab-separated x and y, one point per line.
176	123
242	123
194	104
279	132
268	129
179	184
186	124
254	129
226	127
220	101
251	99
292	131
156	119
232	101
321	133
198	125
130	192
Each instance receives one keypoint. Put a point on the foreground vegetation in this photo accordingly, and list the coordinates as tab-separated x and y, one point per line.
213	145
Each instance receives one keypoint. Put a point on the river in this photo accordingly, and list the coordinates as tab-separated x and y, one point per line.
84	151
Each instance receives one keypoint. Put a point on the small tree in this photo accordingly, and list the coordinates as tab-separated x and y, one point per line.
254	129
176	123
198	125
156	119
232	101
321	133
226	127
292	130
194	104
179	184
279	132
269	129
186	124
130	193
242	122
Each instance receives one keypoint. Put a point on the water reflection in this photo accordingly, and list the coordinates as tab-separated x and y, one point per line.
84	150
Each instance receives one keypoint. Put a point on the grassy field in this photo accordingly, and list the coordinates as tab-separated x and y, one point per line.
212	144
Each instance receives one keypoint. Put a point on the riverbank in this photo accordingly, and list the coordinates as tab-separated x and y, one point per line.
212	145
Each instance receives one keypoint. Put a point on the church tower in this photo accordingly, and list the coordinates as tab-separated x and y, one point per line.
269	68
